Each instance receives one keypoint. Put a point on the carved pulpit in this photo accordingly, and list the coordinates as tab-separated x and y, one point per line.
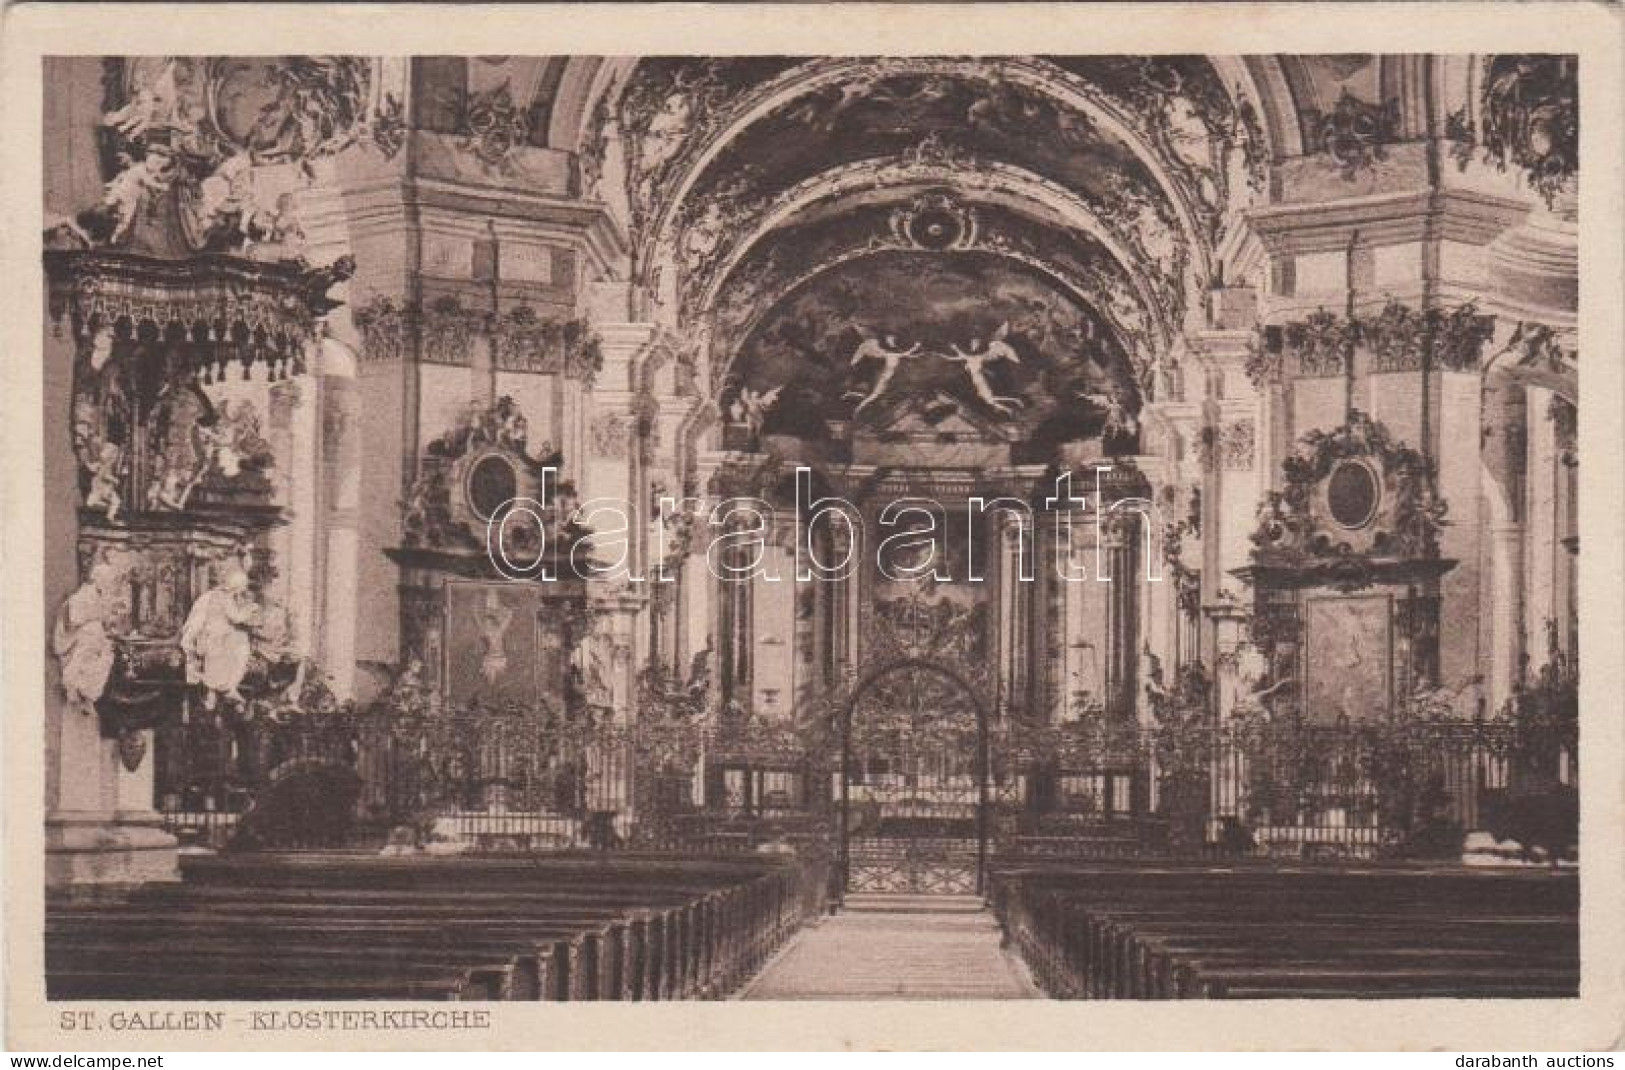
1345	575
173	483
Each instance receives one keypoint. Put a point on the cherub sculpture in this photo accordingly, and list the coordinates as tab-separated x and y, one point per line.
172	484
213	443
104	479
126	193
753	405
1156	692
1274	520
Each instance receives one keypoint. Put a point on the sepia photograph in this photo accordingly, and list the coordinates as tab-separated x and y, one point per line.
767	527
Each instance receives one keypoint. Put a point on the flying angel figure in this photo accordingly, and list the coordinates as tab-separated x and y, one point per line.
822	110
976	362
1119	421
754	405
884	349
156	105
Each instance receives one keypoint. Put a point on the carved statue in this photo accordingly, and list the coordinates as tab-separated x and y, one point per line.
1156	692
216	640
1119	421
233	438
130	189
976	362
155	105
598	688
883	349
752	407
415	511
172	484
80	641
493	619
104	477
1274	521
1429	701
667	127
699	678
408	693
1252	669
515	430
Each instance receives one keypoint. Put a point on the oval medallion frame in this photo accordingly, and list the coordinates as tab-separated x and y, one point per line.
484	489
1353	494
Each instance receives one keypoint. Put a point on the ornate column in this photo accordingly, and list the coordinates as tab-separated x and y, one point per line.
99	821
735	631
1014	605
608	423
1175	422
1120	535
1534	368
339	478
1565	418
1082	617
842	609
775	636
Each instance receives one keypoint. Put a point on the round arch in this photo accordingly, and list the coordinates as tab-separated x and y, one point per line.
1060	85
1013	188
847	705
722	363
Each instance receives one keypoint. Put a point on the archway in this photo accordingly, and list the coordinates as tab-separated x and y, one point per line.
914	798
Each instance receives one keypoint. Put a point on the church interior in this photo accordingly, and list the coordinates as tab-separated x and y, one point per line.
575	527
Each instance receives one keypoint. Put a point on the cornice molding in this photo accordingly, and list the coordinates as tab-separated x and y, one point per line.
1388	219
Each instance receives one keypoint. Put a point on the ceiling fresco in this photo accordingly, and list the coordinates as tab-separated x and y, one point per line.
668	109
884	115
977	333
1177	107
1143	156
1074	261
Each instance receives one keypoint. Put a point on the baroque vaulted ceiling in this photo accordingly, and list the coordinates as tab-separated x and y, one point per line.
722	188
1108	178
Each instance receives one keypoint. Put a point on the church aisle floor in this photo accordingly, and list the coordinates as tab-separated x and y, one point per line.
898	947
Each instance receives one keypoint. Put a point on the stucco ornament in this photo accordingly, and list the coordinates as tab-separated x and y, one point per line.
79	639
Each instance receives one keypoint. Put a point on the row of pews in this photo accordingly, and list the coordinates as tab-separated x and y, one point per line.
1105	931
322	926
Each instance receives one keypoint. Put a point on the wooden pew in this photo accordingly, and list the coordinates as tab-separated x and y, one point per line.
1252	932
560	928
